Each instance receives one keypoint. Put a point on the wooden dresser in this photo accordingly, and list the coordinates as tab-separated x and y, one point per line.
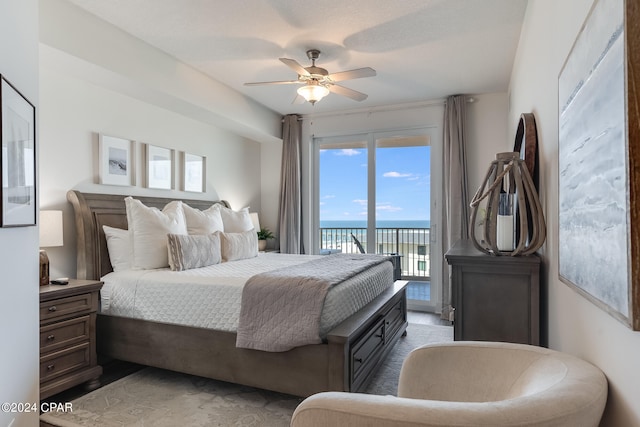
496	298
68	336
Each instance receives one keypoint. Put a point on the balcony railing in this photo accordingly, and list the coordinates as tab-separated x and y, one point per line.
411	243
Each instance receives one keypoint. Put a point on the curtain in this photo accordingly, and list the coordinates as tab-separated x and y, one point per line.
455	224
290	221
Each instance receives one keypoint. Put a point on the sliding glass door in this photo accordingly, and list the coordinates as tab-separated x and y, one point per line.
374	195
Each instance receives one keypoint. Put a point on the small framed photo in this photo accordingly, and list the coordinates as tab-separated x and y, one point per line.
160	167
115	160
194	171
18	129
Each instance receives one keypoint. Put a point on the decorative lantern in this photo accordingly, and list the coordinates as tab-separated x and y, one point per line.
513	222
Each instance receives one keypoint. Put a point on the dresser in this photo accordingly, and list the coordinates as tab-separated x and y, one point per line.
496	298
68	336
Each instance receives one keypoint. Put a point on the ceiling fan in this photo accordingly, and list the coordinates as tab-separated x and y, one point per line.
317	82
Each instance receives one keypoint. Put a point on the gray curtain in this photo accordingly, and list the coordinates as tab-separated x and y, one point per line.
455	224
290	225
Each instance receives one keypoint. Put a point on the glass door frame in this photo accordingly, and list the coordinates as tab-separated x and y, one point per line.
436	208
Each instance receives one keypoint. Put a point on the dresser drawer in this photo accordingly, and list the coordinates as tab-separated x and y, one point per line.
64	361
65	333
394	319
366	350
66	306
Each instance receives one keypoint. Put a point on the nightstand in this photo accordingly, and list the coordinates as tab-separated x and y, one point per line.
68	336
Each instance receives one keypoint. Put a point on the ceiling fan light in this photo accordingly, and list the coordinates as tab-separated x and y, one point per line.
313	92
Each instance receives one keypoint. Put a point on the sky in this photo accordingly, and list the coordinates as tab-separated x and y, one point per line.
402	183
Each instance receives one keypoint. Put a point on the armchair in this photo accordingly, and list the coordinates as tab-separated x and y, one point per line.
472	384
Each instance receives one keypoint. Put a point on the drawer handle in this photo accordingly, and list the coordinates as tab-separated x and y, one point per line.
53	308
359	360
379	335
51	337
51	367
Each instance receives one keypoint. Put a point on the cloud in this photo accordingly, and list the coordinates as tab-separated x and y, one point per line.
348	152
394	174
361	202
329	196
388	208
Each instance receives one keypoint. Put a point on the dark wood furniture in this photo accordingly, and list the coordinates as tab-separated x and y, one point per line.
346	362
496	298
68	336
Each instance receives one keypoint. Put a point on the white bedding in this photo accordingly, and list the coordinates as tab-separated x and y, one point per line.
209	297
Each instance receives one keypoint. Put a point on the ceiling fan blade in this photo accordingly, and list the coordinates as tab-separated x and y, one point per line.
349	93
295	66
352	74
283	82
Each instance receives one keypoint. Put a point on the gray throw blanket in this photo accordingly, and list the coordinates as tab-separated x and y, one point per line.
281	309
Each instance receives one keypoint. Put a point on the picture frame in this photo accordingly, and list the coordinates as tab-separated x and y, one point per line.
599	162
18	133
160	167
194	171
116	164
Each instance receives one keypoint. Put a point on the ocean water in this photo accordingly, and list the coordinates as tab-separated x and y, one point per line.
379	224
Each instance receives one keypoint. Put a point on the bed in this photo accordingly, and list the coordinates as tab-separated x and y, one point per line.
346	360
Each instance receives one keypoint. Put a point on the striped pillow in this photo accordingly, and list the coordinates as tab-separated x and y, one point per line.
193	251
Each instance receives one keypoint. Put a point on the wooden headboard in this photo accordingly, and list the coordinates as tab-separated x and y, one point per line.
92	211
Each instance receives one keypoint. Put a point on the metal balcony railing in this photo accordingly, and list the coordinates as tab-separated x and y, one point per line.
411	243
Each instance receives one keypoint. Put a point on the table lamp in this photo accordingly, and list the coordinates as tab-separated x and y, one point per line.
50	236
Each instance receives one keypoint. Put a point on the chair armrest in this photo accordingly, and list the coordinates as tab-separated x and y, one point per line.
366	410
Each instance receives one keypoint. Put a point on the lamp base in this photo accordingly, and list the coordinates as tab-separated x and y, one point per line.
44	268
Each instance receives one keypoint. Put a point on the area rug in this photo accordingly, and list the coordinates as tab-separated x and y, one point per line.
157	397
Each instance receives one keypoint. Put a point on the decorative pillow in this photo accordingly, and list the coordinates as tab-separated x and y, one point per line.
187	252
119	246
203	222
236	221
235	246
148	229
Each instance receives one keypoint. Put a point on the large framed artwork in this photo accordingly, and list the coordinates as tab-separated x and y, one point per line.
116	157
18	130
160	170
599	161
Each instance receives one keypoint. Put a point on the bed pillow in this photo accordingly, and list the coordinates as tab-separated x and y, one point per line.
236	221
187	252
148	229
119	247
235	246
207	221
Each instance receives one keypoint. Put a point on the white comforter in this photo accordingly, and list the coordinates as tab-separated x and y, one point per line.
210	297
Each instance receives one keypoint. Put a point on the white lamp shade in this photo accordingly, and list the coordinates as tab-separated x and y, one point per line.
51	229
255	220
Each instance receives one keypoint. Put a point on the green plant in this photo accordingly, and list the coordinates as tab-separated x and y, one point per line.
265	234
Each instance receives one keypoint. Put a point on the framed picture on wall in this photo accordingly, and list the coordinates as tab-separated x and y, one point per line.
160	168
115	160
598	161
18	129
194	172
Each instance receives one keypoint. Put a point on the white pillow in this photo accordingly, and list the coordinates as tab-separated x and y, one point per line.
235	246
119	246
236	221
199	250
148	229
203	222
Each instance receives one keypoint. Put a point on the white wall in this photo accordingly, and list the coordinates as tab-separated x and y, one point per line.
575	325
19	381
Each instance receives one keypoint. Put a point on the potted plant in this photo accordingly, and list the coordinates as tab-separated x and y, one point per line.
263	235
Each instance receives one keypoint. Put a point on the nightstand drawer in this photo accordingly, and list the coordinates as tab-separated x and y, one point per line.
64	333
64	361
65	306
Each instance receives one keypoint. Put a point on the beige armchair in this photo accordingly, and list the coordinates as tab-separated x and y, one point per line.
472	384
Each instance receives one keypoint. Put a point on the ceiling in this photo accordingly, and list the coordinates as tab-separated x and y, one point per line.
421	49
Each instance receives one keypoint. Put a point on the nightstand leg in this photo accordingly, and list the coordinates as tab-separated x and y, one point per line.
92	384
